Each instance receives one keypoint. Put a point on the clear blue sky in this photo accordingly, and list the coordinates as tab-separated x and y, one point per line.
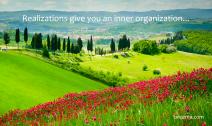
102	5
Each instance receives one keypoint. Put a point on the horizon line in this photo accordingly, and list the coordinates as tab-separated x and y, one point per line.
108	10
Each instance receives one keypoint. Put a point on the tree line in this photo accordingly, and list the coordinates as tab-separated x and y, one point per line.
170	40
6	37
195	42
54	43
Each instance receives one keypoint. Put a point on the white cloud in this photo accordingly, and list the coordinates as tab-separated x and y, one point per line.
103	5
49	4
4	2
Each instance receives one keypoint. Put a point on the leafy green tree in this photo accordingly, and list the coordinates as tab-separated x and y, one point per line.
171	49
26	35
64	44
195	42
17	36
6	39
146	47
163	48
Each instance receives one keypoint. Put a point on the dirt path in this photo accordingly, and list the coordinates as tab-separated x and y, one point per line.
3	47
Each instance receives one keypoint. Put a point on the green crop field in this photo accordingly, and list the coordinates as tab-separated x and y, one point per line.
131	67
26	81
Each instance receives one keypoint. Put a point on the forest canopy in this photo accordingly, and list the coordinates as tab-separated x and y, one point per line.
196	42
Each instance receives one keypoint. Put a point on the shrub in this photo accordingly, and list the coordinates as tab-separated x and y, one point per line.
145	67
146	47
163	48
108	78
100	51
45	53
116	56
171	49
125	54
167	48
120	74
77	59
156	72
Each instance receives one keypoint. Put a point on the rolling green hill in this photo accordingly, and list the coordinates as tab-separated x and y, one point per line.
26	81
131	67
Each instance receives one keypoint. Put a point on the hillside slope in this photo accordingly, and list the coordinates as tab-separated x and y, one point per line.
131	67
26	81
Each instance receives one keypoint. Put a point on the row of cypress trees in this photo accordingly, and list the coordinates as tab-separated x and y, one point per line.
54	42
17	36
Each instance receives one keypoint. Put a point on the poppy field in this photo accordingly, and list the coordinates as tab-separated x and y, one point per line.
180	99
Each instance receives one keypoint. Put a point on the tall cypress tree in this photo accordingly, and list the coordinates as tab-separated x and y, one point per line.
88	46
112	46
76	49
6	39
33	42
58	44
52	43
17	36
48	42
79	43
91	44
128	43
68	46
55	42
123	43
64	44
26	35
120	44
39	43
72	48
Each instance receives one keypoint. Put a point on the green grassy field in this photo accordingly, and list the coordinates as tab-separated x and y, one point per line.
26	81
132	67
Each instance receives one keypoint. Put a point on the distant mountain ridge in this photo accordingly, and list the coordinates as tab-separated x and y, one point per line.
200	19
190	13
